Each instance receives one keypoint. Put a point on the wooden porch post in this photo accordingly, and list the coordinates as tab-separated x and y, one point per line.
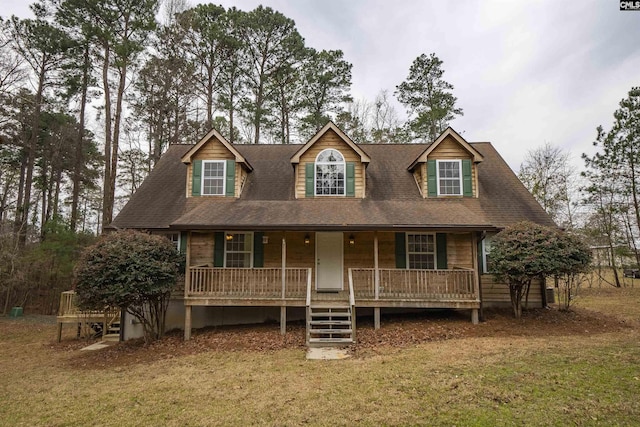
284	266
376	266
283	319
283	308
187	286
187	322
187	275
376	280
476	275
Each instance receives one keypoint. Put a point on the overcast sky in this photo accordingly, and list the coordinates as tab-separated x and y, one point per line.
524	73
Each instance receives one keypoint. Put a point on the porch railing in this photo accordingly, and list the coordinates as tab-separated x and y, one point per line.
69	307
458	284
247	282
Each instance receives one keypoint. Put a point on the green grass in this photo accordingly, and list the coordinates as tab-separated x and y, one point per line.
559	380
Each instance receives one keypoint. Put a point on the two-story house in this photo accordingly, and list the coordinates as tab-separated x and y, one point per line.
323	229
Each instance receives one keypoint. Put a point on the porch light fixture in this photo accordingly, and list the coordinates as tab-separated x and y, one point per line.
352	239
265	240
307	239
229	236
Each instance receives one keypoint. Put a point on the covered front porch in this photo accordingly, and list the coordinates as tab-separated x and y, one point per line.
331	274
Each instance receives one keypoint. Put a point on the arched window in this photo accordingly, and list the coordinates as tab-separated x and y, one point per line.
330	173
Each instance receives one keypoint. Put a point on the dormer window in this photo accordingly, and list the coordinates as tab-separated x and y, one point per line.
449	177
330	173
213	177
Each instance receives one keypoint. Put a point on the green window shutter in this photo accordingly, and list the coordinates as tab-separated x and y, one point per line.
196	172
351	179
441	250
401	250
467	188
480	257
308	180
183	242
231	178
432	179
258	250
218	249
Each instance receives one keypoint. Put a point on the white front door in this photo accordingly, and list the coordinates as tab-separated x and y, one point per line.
329	261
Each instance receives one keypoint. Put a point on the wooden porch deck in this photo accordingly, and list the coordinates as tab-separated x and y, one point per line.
367	287
69	313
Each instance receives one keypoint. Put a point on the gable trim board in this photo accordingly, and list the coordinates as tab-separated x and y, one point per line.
476	156
188	156
364	157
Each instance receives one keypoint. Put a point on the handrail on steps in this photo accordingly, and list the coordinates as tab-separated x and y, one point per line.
352	297
308	308
308	302
352	303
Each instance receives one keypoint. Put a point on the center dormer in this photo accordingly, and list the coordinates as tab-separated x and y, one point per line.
330	165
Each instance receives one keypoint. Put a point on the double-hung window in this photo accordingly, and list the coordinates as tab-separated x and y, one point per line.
213	177
487	265
449	177
421	251
174	238
238	250
330	173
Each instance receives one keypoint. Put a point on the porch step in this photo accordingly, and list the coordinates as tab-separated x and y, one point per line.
111	337
330	324
330	306
330	313
330	341
113	332
330	331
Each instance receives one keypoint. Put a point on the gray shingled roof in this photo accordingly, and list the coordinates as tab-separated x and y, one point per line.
268	202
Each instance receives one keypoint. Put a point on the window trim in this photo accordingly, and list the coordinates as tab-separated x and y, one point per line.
460	178
435	250
343	163
174	237
249	235
177	241
486	250
224	178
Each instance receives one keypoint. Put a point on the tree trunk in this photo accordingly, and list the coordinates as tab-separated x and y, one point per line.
56	194
231	111
210	97
614	265
257	117
31	155
79	160
634	192
18	215
116	142
107	198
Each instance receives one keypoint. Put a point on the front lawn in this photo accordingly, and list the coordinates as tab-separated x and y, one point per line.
550	368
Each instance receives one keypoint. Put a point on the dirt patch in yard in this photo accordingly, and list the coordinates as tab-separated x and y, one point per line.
397	331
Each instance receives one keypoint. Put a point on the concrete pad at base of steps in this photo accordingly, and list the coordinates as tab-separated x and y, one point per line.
97	346
327	353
